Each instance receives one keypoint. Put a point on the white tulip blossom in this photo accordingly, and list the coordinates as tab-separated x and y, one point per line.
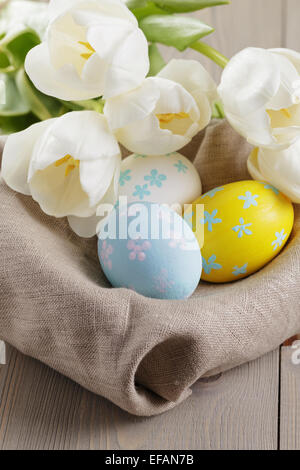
280	168
92	48
19	15
260	91
197	81
162	115
69	165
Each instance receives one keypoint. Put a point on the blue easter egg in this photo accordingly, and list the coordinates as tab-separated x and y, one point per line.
150	249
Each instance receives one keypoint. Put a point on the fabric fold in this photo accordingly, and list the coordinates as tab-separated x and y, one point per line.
142	354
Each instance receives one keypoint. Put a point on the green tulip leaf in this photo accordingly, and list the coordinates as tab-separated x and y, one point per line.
19	46
131	4
42	106
156	60
11	124
14	105
185	6
173	30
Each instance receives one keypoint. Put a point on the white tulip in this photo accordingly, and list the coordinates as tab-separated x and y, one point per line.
91	49
69	165
260	91
19	15
197	81
280	168
157	118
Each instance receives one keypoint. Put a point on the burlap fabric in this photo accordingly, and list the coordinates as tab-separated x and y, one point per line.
140	353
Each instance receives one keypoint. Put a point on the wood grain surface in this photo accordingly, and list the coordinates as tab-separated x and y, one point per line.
290	398
41	409
255	406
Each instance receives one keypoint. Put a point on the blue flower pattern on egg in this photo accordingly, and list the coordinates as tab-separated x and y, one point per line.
212	193
249	199
181	167
280	237
141	191
270	186
210	264
242	228
139	155
124	177
239	271
155	179
210	219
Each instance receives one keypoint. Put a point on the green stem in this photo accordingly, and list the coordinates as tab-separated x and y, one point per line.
91	105
149	9
218	110
211	53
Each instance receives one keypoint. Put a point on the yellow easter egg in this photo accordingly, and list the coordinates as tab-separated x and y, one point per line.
246	224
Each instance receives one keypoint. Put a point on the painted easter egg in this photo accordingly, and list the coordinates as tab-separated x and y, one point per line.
150	249
246	224
167	179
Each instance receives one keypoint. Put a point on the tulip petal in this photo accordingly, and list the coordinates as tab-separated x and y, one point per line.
280	168
249	81
57	7
148	138
119	44
288	75
292	56
82	134
137	125
252	165
255	128
90	51
109	7
192	76
96	176
63	83
57	196
17	154
84	227
89	226
85	137
132	106
174	98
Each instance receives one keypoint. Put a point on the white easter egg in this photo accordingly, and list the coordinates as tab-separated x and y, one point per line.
166	179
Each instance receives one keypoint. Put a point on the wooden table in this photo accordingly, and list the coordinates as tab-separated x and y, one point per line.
256	406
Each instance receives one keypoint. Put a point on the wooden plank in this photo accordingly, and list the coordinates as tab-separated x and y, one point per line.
290	398
241	24
238	410
292	35
2	353
40	409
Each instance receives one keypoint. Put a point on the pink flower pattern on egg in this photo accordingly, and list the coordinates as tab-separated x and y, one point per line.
178	242
137	250
106	251
162	282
